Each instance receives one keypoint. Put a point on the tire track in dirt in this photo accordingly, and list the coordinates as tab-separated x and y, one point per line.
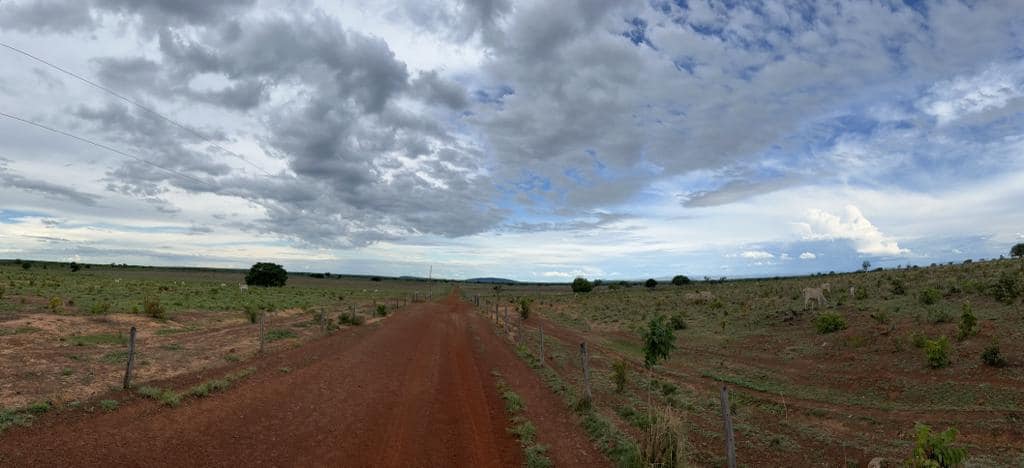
410	392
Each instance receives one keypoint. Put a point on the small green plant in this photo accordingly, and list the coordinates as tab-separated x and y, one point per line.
109	405
933	450
992	357
918	340
524	308
99	308
39	407
899	288
929	296
968	323
346	318
937	352
382	310
165	396
659	341
860	293
280	334
882	317
208	387
56	305
619	376
152	308
252	313
677	322
829	322
940	315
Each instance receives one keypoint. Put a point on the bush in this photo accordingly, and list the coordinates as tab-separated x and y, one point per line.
937	352
860	293
968	323
1017	251
934	450
659	341
99	308
581	285
266	274
382	310
929	296
651	283
152	308
940	315
252	313
829	322
918	340
26	265
524	308
680	280
992	356
677	322
619	376
1006	288
280	334
346	318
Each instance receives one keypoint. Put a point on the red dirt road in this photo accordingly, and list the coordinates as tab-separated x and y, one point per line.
414	391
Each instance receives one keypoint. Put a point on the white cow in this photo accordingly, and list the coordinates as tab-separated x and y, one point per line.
243	287
817	295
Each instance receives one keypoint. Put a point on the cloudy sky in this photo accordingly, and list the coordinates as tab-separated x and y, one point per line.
536	140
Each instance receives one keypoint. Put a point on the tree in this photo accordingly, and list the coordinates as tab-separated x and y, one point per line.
1017	251
581	285
659	341
26	265
75	267
864	266
680	280
524	307
651	283
266	274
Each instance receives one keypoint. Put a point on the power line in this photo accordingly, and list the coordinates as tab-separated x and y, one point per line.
135	103
103	146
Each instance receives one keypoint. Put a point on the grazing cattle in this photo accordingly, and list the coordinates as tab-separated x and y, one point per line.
816	294
243	287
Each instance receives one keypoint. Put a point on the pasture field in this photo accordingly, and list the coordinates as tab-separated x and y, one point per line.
800	397
63	334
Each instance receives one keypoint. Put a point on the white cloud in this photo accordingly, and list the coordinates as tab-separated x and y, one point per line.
853	226
808	256
756	255
991	89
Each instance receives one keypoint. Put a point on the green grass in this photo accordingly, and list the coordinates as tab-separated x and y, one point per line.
115	357
280	334
166	396
208	387
18	330
524	430
12	417
109	405
99	339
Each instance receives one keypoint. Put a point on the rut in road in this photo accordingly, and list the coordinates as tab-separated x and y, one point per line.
410	392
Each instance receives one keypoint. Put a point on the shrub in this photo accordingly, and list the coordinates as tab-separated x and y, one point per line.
680	280
968	323
937	352
899	288
940	315
677	322
829	322
280	334
252	313
1017	250
659	341
1006	288
992	357
524	308
382	310
860	293
99	308
75	267
664	442
56	305
918	340
109	405
933	450
26	265
882	317
651	283
266	274
152	308
619	376
929	296
346	318
581	285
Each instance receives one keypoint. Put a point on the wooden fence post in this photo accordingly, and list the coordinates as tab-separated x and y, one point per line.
730	442
585	364
542	344
131	359
262	316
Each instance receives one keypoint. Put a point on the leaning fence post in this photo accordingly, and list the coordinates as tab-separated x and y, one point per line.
585	364
131	359
730	442
262	316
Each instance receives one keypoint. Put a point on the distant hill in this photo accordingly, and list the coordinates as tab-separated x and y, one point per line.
491	280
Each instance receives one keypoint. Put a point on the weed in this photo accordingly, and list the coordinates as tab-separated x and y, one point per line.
524	430
39	407
109	405
346	318
899	288
513	403
115	357
232	358
99	308
940	315
280	334
992	356
918	340
252	313
524	308
152	308
536	457
165	396
933	450
929	296
67	371
10	418
99	339
284	370
937	352
619	376
968	323
677	322
382	310
208	387
882	317
829	322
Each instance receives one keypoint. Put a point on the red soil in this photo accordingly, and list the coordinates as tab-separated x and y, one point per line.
414	391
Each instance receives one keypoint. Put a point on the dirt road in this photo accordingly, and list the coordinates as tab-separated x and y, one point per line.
414	391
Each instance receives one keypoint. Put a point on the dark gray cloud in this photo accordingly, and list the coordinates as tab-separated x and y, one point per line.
434	89
184	11
736	190
46	16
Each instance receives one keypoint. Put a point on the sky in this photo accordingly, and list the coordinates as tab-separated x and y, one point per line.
532	140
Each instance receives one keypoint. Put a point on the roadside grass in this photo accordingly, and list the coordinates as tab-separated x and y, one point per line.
18	330
99	339
524	430
280	334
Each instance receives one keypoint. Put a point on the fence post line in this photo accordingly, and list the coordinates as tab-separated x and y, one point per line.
730	442
542	344
131	359
585	364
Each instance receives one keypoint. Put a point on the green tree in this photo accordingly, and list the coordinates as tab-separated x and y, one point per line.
650	283
933	450
1017	250
864	266
266	274
581	285
680	280
659	341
